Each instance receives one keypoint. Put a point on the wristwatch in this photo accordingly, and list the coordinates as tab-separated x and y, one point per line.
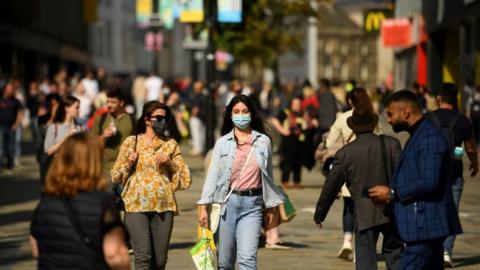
391	194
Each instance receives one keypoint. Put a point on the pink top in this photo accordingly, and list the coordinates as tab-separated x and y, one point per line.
251	177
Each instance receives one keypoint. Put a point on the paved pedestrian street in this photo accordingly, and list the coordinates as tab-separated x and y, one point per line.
313	248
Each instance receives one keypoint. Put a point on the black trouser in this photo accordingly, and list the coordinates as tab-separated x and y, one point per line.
7	142
348	223
150	234
476	129
297	172
366	247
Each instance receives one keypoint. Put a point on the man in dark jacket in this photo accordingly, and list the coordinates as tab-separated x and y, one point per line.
448	115
10	119
424	211
367	161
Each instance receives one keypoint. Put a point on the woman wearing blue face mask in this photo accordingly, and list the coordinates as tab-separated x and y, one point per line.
240	178
150	168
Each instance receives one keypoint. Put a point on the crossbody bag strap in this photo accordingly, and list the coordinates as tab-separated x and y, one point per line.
86	240
133	168
241	172
384	157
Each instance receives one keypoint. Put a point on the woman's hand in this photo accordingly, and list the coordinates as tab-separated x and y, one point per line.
269	215
162	159
202	216
132	158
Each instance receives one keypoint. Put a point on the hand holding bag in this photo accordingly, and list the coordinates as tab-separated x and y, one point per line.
287	211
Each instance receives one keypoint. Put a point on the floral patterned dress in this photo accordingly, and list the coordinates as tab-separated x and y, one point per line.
151	187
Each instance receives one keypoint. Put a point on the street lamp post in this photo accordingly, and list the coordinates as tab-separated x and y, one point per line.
210	75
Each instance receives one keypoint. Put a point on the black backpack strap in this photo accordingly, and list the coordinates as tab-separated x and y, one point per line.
76	224
384	157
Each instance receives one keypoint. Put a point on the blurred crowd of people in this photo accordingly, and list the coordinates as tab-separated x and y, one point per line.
189	101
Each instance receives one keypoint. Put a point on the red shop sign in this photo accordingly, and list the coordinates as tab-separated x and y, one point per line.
397	33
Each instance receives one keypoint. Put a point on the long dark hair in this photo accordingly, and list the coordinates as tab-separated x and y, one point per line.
257	122
61	113
147	112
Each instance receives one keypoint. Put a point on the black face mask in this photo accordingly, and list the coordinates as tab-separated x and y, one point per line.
399	127
159	127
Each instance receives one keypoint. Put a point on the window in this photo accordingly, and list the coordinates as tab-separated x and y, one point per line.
364	73
328	72
329	47
344	49
364	50
344	71
108	37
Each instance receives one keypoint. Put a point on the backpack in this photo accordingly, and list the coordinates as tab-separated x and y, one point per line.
447	132
475	109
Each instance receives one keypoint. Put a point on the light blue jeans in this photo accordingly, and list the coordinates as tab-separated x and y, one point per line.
457	189
239	232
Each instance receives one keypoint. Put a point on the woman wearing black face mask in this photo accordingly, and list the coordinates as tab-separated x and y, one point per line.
151	169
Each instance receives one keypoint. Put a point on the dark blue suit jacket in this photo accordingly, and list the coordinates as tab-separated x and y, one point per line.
424	207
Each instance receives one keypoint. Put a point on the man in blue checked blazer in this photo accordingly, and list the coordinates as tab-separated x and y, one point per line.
423	206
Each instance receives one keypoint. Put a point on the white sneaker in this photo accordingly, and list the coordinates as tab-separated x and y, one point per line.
447	260
345	251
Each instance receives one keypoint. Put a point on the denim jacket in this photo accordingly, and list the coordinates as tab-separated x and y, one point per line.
217	183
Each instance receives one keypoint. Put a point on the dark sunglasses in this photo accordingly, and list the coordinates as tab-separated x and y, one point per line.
158	118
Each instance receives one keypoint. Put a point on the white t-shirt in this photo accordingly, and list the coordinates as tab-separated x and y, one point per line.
153	84
85	105
91	87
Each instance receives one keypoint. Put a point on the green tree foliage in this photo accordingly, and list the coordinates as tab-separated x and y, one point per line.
269	29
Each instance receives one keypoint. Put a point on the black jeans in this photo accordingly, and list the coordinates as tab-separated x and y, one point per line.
476	129
150	236
288	168
366	247
7	142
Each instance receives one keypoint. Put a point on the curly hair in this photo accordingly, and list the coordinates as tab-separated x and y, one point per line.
76	167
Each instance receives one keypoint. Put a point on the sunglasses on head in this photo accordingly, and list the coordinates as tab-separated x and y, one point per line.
157	117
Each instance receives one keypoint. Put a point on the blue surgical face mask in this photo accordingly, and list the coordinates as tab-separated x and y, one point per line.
241	121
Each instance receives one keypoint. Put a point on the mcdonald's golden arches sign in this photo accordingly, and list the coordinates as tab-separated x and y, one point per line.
372	19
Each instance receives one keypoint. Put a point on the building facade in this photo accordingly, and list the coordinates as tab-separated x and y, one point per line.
39	37
114	40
